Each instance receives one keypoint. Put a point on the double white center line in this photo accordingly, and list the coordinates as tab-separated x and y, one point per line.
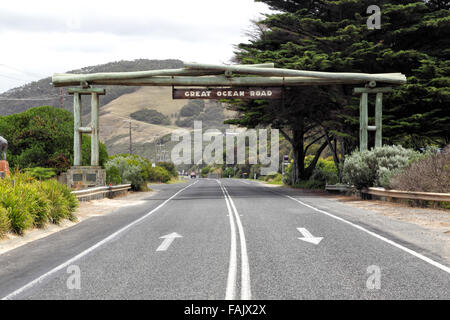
232	270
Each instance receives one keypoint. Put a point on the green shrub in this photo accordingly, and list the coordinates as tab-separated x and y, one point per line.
113	175
133	169
29	202
86	152
159	174
228	172
310	184
205	170
5	223
287	178
43	137
372	168
138	171
41	173
14	200
170	167
62	201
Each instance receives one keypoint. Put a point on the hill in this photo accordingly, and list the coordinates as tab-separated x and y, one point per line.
117	106
42	92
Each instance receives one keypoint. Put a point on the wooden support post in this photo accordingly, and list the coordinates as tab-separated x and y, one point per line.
363	134
95	130
76	133
79	130
363	115
378	119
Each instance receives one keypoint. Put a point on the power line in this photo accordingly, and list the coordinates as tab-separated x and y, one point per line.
21	71
14	78
29	99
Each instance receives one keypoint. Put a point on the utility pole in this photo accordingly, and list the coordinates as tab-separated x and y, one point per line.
61	98
131	142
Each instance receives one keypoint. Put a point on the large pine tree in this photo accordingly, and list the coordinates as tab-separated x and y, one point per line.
326	35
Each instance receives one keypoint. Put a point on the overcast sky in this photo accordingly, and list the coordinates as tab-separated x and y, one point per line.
39	38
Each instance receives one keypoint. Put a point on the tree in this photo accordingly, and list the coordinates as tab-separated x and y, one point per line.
43	137
333	36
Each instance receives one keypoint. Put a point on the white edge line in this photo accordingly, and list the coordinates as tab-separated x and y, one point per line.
393	243
232	267
246	293
90	249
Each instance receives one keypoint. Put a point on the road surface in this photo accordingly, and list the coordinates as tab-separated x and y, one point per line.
222	239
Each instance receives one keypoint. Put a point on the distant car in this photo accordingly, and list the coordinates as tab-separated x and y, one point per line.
193	175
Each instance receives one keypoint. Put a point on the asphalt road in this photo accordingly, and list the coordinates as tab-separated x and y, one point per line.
222	239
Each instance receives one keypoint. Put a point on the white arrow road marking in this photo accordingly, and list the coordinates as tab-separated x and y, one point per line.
308	237
168	239
90	249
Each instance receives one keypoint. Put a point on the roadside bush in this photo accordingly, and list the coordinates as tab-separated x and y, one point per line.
62	201
228	172
170	167
287	178
309	184
41	173
273	178
430	174
205	170
325	170
5	224
30	202
133	169
373	168
159	174
43	137
136	170
113	175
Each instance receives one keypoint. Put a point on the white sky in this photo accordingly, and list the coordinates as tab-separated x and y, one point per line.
39	38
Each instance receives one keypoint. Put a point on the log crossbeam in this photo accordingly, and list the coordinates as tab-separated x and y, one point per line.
194	74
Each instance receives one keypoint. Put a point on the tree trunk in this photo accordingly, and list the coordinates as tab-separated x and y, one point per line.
298	167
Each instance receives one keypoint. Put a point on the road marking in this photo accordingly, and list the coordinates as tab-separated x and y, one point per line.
168	239
246	293
395	244
308	237
90	249
230	292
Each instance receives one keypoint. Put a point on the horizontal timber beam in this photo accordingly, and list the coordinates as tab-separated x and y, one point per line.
373	90
69	79
82	91
395	78
221	81
85	129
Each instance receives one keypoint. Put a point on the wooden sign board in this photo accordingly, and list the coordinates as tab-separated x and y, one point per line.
227	93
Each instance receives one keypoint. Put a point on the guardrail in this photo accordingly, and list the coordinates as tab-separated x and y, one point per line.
101	192
412	195
338	187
